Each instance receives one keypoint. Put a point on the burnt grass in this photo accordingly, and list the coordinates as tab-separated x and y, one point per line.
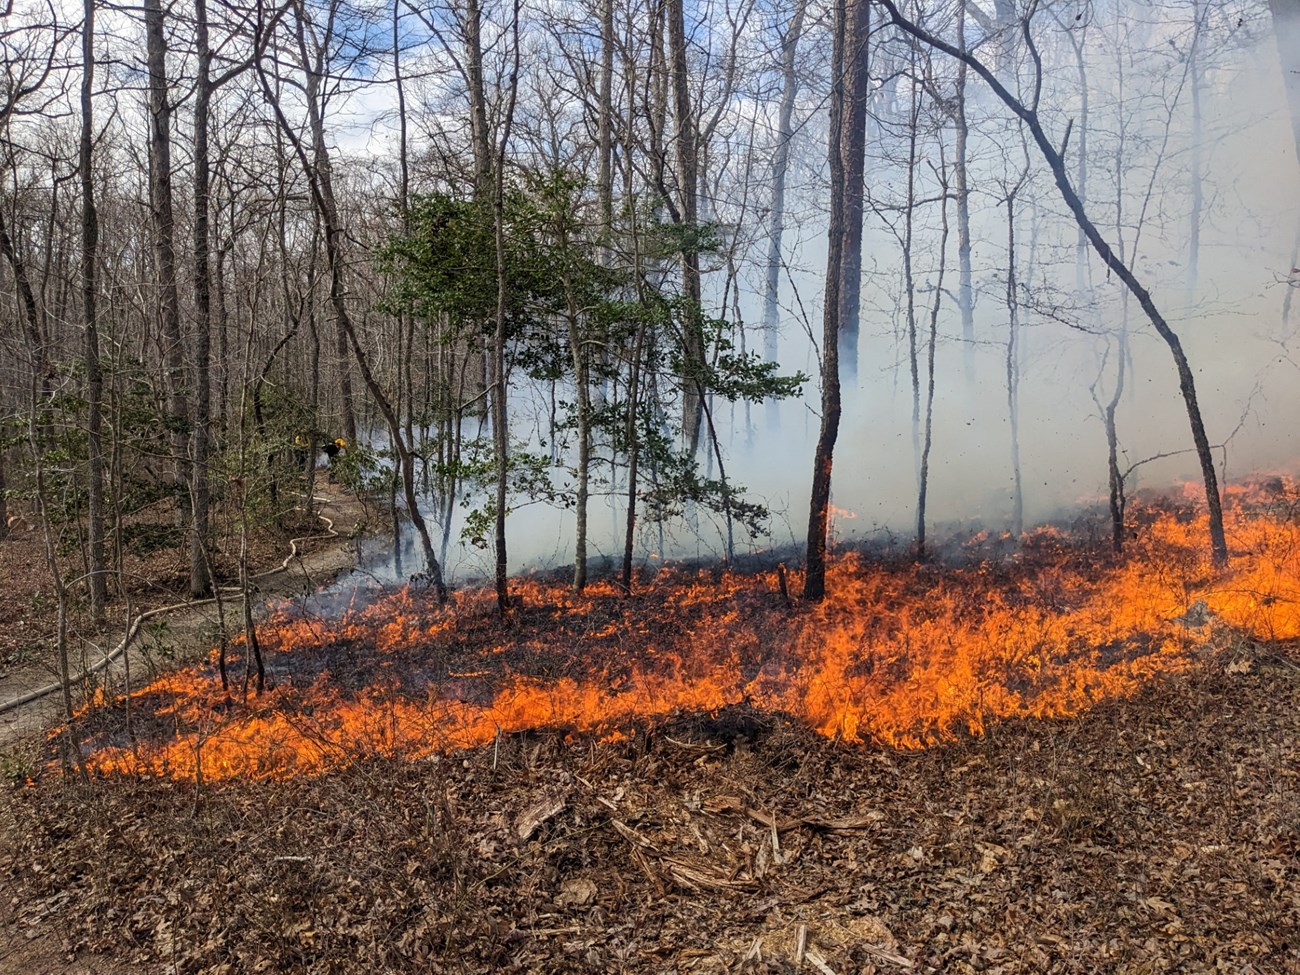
1159	833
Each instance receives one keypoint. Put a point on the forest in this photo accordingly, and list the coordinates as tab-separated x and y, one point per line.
637	485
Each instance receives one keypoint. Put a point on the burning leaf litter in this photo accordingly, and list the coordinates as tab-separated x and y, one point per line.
900	654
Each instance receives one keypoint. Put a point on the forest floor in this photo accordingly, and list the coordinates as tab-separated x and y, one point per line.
325	547
297	556
1155	833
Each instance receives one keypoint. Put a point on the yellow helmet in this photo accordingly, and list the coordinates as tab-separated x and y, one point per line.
340	443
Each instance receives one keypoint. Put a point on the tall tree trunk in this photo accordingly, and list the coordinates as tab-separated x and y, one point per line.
98	580
500	417
605	126
322	166
1054	157
1195	218
850	32
923	478
480	133
965	290
688	181
1013	370
909	288
853	147
776	216
582	382
200	574
37	345
164	227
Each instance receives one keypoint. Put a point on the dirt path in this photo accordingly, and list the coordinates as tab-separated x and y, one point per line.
166	639
177	634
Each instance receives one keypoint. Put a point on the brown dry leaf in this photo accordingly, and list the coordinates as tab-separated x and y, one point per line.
577	892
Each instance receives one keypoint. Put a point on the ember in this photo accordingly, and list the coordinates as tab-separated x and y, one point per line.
899	654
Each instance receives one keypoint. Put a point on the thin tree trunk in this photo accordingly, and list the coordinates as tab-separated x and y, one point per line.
605	126
633	450
200	576
1013	370
776	217
853	148
909	288
164	226
688	179
1056	163
324	169
923	490
500	417
965	290
98	573
1195	218
582	379
850	31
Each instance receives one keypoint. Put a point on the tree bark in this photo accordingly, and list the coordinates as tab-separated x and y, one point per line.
850	18
853	147
200	573
98	580
164	221
688	180
322	166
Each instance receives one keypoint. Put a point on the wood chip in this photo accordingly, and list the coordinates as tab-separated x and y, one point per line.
632	836
884	954
532	818
818	962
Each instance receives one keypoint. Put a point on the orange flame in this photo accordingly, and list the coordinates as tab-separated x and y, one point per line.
900	654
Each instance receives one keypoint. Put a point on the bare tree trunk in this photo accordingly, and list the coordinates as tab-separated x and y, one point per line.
200	574
605	125
323	168
582	380
853	149
478	111
776	217
164	221
850	31
633	450
1013	370
500	416
1028	114
1196	217
98	580
688	181
923	479
965	290
909	288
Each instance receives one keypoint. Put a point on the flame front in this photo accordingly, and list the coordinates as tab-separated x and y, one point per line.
901	654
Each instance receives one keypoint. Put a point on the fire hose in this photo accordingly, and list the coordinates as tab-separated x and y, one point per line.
148	614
